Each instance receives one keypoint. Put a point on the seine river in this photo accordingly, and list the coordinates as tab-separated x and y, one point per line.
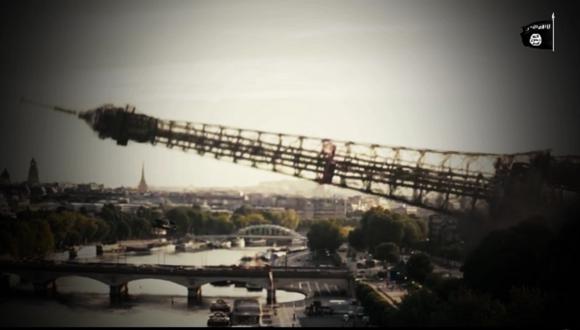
85	302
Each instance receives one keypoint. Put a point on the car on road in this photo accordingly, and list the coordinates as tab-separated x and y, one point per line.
316	308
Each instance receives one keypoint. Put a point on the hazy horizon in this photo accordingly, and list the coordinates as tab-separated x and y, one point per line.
449	75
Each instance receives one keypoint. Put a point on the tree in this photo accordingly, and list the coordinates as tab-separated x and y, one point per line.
112	216
219	223
559	279
423	227
528	307
419	267
509	258
452	251
290	219
60	227
468	308
388	252
417	308
344	231
379	310
197	219
44	240
23	240
103	230
141	227
443	286
324	235
124	230
411	233
253	219
247	216
356	239
380	225
179	216
243	210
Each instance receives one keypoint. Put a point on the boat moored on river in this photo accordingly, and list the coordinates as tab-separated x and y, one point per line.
218	319
239	242
253	287
219	306
246	312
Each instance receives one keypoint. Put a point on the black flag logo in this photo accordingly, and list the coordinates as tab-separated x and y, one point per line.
538	35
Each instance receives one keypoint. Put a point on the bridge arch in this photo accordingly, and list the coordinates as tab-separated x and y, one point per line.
11	274
198	282
39	277
8	278
103	286
167	287
270	230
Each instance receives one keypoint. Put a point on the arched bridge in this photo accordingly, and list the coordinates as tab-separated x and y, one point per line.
269	231
43	276
266	231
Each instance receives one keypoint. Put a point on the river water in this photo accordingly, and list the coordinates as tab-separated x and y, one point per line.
85	302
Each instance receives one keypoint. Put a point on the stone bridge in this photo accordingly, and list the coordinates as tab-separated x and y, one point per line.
43	276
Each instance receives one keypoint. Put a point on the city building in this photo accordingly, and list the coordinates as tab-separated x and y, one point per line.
315	208
363	202
5	210
5	177
328	208
229	200
443	229
33	173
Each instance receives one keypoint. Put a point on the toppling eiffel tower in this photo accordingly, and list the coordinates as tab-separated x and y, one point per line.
451	182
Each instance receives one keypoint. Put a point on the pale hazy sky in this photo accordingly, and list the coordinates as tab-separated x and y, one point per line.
436	74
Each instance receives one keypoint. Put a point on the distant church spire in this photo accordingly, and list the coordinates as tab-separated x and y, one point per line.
5	177
142	188
33	173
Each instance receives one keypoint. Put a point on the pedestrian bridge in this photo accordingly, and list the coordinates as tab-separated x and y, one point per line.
271	232
43	276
